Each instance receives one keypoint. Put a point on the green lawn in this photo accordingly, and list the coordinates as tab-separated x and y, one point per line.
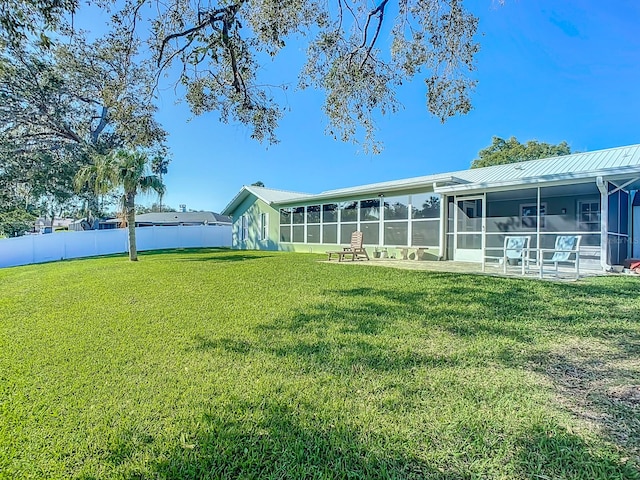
222	364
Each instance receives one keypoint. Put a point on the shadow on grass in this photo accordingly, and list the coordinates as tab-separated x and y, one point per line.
273	438
342	334
234	257
555	453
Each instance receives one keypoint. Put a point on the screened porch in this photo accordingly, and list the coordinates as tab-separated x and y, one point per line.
478	224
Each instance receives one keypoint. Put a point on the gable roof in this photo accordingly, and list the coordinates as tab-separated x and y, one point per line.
619	161
267	195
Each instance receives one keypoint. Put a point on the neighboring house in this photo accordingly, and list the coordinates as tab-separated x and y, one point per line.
165	219
460	216
43	225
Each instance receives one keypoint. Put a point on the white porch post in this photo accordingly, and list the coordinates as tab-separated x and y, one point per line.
604	221
484	228
538	222
444	205
455	226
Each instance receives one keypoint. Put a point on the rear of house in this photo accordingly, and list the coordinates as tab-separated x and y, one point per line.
460	216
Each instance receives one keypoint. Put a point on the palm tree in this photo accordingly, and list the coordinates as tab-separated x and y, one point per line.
126	170
159	167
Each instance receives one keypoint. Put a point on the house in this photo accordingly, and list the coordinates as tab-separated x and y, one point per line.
45	225
459	216
165	219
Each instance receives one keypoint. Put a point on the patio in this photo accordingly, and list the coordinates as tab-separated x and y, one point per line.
566	273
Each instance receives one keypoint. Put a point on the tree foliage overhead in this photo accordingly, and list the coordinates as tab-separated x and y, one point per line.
503	151
358	52
60	106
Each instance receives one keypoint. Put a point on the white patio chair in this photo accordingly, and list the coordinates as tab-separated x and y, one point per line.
516	248
567	246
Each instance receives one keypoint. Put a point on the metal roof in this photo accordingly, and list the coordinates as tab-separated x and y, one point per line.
613	162
267	195
156	218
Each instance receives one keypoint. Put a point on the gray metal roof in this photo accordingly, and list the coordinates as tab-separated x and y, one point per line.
612	162
267	195
157	218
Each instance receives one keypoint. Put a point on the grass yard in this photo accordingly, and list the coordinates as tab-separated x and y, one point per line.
223	364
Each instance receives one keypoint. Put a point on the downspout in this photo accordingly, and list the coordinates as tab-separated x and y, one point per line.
604	221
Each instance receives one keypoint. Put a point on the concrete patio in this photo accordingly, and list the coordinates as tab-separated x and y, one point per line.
493	269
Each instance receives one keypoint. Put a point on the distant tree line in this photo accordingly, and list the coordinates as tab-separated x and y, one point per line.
503	151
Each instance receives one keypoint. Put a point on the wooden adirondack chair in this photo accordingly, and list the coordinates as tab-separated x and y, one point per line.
355	250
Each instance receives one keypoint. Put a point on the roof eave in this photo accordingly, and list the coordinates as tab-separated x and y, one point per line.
239	198
374	189
546	179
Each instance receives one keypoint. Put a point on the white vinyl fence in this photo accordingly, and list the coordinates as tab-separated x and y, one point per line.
60	246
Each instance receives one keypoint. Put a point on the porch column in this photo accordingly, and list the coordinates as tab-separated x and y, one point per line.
484	229
604	221
444	205
538	222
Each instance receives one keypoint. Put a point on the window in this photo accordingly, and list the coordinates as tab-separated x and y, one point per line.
330	233
286	215
313	214
425	233
313	233
589	216
369	210
349	212
425	218
529	215
396	208
244	232
425	205
396	233
264	228
330	223
298	216
330	213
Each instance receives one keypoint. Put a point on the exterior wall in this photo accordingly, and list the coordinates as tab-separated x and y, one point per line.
253	207
503	215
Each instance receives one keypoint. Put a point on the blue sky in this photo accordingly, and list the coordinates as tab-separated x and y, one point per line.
547	70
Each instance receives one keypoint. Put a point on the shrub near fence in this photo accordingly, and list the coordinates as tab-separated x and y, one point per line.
60	246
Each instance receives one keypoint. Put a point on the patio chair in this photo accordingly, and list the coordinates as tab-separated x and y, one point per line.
354	250
516	249
567	250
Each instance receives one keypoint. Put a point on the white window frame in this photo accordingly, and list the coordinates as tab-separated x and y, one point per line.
579	221
264	226
244	228
542	214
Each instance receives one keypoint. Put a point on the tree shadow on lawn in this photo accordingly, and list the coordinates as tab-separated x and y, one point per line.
209	254
234	257
275	438
600	386
341	335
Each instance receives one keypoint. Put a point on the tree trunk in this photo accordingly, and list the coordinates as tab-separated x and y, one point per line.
131	225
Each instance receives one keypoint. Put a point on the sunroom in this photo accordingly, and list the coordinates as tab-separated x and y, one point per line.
391	223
